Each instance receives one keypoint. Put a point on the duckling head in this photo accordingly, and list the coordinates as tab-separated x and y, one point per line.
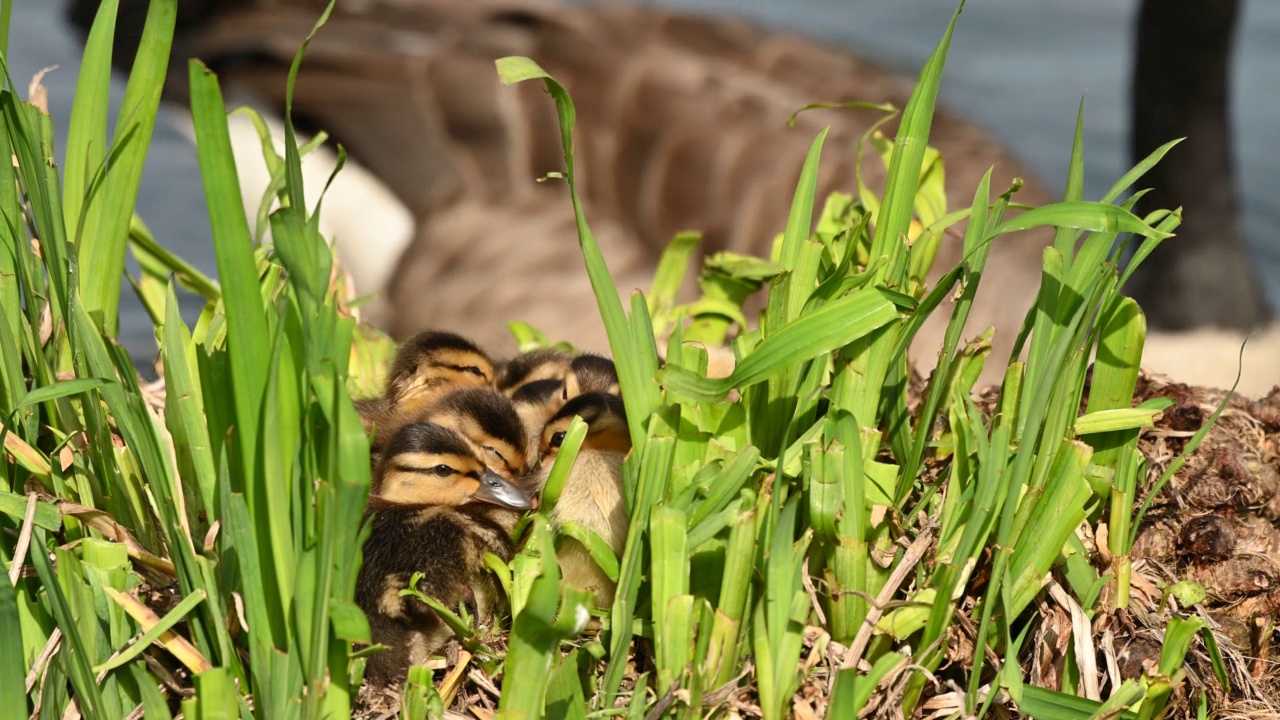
531	367
606	420
427	464
536	403
430	364
590	373
489	423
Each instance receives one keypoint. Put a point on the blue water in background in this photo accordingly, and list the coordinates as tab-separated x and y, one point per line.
1018	68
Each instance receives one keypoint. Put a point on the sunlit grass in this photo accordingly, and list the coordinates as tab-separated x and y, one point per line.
198	551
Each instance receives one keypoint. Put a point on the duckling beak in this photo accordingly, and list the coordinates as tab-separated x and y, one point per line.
497	490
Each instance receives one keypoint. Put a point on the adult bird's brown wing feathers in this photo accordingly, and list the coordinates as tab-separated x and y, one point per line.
681	124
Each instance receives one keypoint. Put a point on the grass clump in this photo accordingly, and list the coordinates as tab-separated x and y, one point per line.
821	531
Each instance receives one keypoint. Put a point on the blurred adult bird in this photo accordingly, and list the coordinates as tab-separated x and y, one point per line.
681	124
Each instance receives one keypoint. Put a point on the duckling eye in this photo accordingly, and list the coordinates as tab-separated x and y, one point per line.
494	451
442	470
557	439
473	370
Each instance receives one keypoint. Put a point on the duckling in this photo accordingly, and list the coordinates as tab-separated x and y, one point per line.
541	382
534	366
426	367
591	373
489	422
536	403
432	363
436	510
592	494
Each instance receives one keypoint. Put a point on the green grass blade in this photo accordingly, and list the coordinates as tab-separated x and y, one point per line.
106	230
88	697
564	693
1064	238
1083	215
638	391
184	412
30	134
180	611
66	388
799	228
669	276
248	341
6	11
655	470
150	252
909	150
87	136
13	695
834	325
1134	174
536	633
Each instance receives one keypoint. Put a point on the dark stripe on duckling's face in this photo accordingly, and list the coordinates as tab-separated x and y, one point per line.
426	464
435	482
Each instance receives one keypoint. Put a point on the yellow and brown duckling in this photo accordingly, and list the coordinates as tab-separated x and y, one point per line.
589	373
426	367
542	381
437	510
584	373
534	366
592	493
489	422
536	403
432	363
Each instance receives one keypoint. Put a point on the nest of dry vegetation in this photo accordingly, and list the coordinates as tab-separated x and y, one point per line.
1216	523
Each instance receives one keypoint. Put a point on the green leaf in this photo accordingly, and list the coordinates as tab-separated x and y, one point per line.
1118	419
595	545
153	633
564	694
106	230
87	136
834	325
910	146
88	696
15	506
1045	704
1081	215
66	388
248	341
638	391
13	694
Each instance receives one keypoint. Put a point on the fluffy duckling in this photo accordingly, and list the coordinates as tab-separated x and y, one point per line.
532	367
489	422
592	494
588	373
541	382
536	403
438	510
432	363
426	367
580	374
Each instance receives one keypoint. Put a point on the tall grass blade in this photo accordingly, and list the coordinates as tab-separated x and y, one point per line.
106	229
248	342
